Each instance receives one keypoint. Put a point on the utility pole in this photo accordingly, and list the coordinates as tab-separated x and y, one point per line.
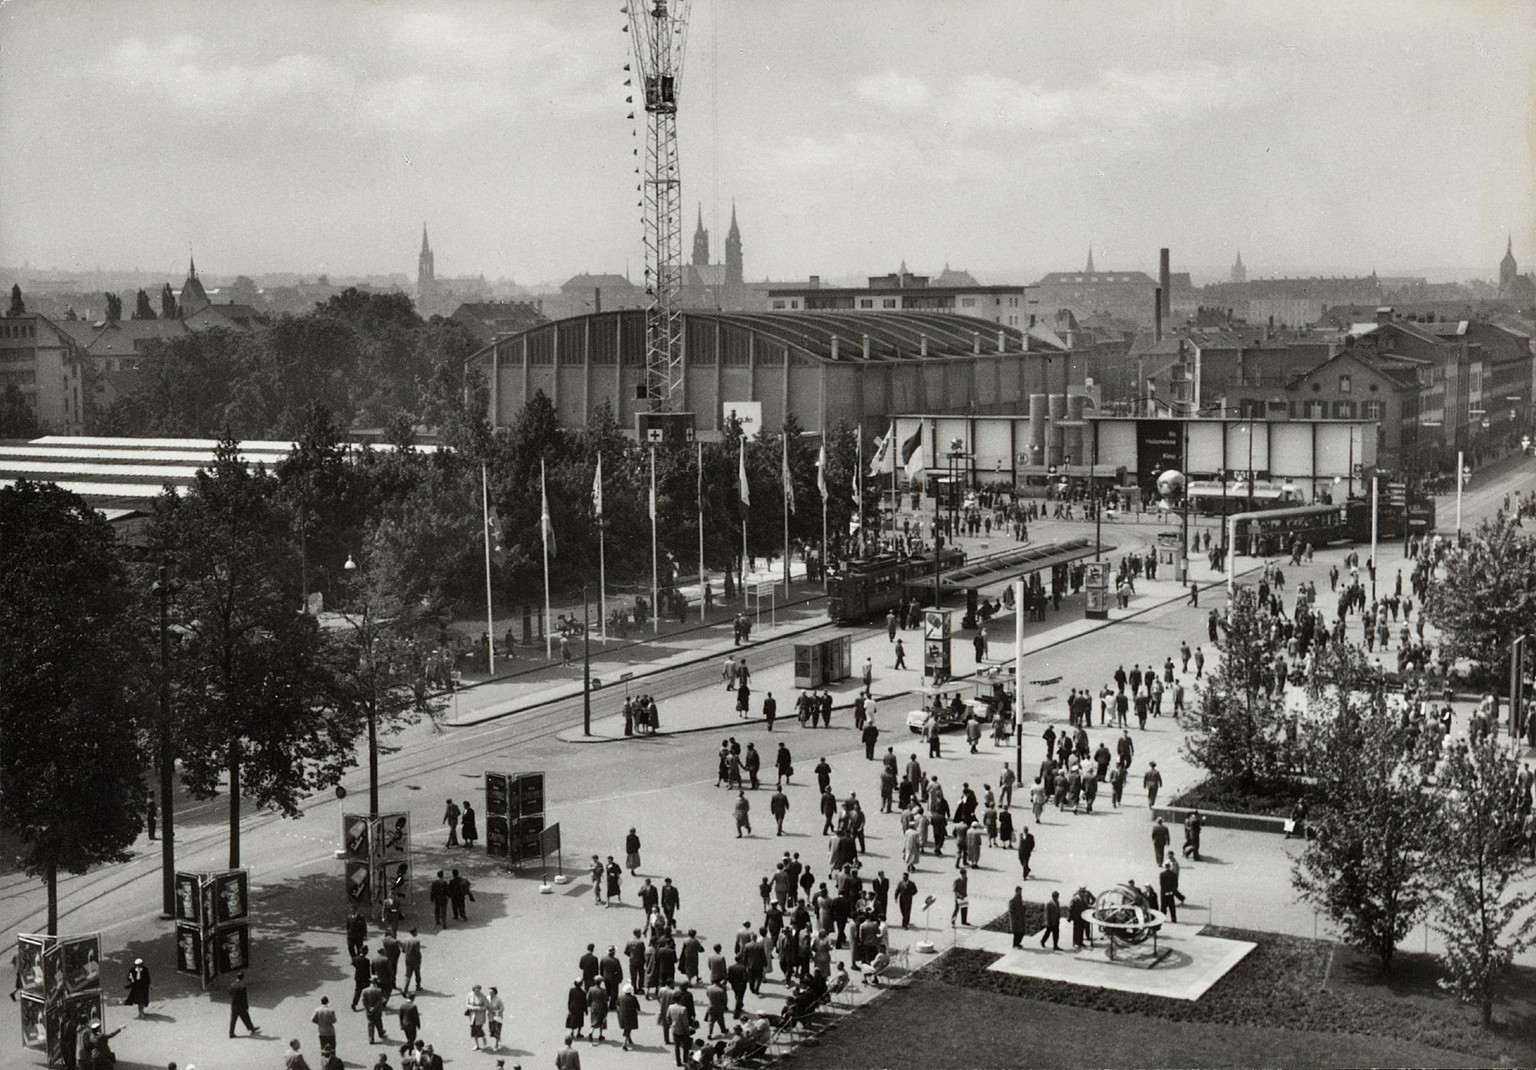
586	665
167	755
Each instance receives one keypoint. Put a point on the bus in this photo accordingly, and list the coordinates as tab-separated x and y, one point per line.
1272	532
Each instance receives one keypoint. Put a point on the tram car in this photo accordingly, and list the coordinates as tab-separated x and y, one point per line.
873	586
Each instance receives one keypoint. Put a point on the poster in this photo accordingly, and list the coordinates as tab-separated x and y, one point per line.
398	875
188	901
360	882
53	971
189	948
29	964
232	948
82	963
231	895
495	794
530	787
355	838
496	836
395	836
207	898
34	1022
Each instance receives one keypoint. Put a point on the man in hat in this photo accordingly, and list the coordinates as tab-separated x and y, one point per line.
240	1005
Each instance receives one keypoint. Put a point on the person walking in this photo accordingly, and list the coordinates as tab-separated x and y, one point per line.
477	1009
778	806
240	1005
451	819
458	892
409	1016
1159	840
901	655
1153	780
495	1015
470	828
632	853
742	809
962	909
1026	851
628	1014
1016	916
439	896
324	1020
410	951
138	986
615	875
568	1058
869	674
373	1010
1052	930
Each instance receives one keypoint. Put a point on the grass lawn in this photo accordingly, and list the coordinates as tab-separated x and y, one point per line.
1291	1002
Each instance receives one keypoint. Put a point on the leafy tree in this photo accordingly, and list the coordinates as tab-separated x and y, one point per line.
244	291
328	494
425	538
142	309
18	306
1366	868
254	698
114	308
1485	594
189	381
1483	913
16	417
70	713
167	302
1234	733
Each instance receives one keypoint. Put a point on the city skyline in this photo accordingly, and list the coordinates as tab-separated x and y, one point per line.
319	139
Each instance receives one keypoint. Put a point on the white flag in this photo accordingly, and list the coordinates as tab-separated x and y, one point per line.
548	528
821	471
884	462
789	483
597	488
741	474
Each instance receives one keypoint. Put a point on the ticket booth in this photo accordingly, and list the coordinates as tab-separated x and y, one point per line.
819	664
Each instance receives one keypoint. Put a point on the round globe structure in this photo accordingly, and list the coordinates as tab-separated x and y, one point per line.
1171	483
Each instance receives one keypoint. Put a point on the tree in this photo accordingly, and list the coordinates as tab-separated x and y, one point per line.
167	303
255	699
1234	733
18	306
329	496
16	417
142	310
1366	868
1485	595
71	710
114	308
1484	920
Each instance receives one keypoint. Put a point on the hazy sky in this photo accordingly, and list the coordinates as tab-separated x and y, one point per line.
318	135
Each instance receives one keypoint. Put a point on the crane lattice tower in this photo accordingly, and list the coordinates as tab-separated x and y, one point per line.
659	32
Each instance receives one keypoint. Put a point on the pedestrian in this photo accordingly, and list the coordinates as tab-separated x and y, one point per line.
357	931
596	871
575	1009
451	819
138	987
410	951
1200	662
1026	850
901	655
495	1014
962	908
770	710
741	810
869	673
597	1012
670	899
628	1014
240	1005
294	1060
476	1009
1016	916
1159	840
1052	931
409	1016
1168	886
778	806
324	1019
632	853
439	896
373	1010
1153	780
567	1058
615	876
458	892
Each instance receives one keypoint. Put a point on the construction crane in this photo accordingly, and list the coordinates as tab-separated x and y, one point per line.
658	30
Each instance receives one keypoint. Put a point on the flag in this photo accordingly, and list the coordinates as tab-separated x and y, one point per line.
912	453
789	483
498	538
597	488
651	502
548	528
821	471
884	462
741	474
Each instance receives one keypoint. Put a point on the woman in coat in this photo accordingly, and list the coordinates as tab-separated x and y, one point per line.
575	1008
138	986
629	1013
615	875
632	853
597	1007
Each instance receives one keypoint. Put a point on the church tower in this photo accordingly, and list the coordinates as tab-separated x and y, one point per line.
426	276
193	297
733	275
1508	269
700	242
1089	269
1239	272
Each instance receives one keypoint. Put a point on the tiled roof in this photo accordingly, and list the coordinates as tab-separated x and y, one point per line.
593	282
117	338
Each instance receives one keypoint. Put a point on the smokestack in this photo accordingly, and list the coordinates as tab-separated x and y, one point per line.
1165	302
1157	314
597	299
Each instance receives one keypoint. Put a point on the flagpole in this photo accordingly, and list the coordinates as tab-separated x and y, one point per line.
703	580
821	479
602	558
746	501
789	490
549	642
490	620
655	609
858	489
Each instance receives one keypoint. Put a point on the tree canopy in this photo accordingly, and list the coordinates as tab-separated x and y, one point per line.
1485	595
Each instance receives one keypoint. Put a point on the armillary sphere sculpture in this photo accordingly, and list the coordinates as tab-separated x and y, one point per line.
1124	913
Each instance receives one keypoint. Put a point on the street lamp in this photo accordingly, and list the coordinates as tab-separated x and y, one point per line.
167	755
586	665
369	666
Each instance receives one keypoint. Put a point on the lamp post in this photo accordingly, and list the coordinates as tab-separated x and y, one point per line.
367	666
1098	503
167	755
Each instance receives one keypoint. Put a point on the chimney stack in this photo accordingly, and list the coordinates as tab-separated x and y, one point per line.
1157	314
815	282
1165	303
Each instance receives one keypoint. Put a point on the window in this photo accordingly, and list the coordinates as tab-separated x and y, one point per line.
888	302
1346	384
778	304
865	302
1343	410
1370	410
967	302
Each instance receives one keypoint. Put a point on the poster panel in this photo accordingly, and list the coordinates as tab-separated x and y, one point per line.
231	895
188	901
496	788
34	1022
29	964
356	839
232	948
397	876
208	908
530	789
189	948
53	971
82	963
394	836
360	882
496	836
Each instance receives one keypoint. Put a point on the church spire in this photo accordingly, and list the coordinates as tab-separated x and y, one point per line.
191	266
1089	268
426	247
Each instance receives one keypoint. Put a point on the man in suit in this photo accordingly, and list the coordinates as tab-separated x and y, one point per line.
439	897
1052	923
1016	916
906	891
240	1005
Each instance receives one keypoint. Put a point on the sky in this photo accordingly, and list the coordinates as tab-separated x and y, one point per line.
1002	137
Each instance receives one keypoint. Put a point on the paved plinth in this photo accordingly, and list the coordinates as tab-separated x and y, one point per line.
1188	964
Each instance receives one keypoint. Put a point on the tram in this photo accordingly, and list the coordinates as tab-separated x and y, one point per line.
1274	531
872	586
